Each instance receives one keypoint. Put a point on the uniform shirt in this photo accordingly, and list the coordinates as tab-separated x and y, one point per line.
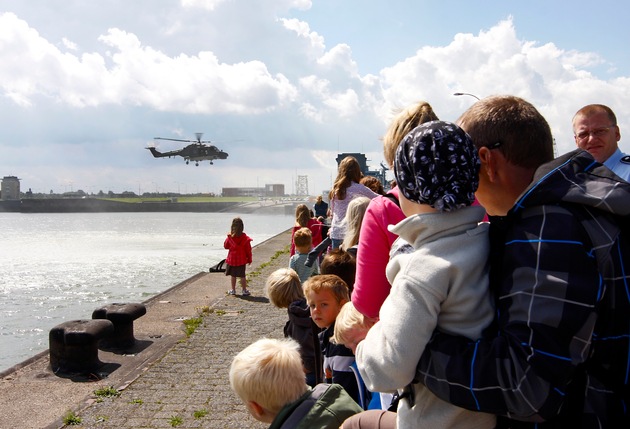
619	162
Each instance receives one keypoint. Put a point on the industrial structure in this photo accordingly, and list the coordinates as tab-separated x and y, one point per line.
10	188
272	190
362	160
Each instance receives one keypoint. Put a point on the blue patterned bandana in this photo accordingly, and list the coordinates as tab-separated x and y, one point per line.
437	164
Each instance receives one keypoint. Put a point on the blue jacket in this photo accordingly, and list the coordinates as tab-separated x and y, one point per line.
558	354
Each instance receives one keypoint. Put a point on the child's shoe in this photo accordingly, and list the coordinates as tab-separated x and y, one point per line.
231	292
246	292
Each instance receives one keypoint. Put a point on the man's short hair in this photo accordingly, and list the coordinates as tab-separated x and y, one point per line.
331	282
513	126
283	287
270	373
303	237
591	109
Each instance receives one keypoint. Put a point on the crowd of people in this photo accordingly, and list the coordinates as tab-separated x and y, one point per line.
489	288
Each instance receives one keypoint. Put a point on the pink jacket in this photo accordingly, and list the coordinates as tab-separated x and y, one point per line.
239	250
316	230
371	286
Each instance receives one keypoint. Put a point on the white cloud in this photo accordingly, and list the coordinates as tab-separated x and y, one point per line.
250	72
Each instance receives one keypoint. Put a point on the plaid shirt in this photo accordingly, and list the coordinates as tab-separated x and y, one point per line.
558	354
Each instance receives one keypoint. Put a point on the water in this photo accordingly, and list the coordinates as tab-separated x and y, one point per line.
58	267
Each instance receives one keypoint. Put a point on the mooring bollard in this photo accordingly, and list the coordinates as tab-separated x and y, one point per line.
74	345
122	316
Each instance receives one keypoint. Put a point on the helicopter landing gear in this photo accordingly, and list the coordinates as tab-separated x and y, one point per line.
211	163
196	164
186	162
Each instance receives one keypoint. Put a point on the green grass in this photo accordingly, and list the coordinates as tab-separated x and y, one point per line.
200	413
176	421
183	199
258	271
71	419
107	392
190	325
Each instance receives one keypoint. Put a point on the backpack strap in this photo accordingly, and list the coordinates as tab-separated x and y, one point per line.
393	198
305	406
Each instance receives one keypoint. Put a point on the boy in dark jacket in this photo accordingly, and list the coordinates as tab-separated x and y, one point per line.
326	294
284	289
267	375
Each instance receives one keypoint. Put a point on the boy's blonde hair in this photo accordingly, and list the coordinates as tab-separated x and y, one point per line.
269	372
283	287
330	282
349	318
303	237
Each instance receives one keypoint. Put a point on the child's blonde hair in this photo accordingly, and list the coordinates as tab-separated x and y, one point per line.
330	282
405	121
283	287
353	220
349	318
303	237
269	372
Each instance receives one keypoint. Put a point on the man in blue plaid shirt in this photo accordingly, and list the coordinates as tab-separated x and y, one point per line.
558	354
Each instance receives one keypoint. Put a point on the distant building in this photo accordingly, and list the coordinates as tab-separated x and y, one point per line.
273	190
10	188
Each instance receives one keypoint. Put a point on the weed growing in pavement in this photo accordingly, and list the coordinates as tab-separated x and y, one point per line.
106	392
137	401
190	325
258	271
176	421
203	310
200	413
220	312
71	419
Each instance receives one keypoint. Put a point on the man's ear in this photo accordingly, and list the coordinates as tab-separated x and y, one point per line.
488	163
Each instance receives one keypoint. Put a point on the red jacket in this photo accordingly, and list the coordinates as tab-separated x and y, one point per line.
316	230
239	250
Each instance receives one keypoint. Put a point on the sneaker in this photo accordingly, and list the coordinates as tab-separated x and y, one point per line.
231	292
246	292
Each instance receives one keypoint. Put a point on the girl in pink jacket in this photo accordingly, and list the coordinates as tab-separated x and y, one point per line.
239	254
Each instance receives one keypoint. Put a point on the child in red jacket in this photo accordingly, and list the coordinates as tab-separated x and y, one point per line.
239	254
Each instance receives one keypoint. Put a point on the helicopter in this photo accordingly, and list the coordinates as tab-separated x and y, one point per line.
196	151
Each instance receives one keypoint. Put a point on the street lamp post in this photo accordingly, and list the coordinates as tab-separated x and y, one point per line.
465	93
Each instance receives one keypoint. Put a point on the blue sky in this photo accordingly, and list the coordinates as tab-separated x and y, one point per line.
281	85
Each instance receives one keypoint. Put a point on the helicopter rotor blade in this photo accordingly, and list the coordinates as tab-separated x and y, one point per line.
174	140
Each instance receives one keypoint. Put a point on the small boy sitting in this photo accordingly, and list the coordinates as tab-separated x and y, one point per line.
303	239
351	327
284	289
325	295
267	375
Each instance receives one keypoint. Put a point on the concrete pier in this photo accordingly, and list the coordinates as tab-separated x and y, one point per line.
168	379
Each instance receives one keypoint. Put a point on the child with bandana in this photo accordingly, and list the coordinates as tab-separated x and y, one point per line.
443	284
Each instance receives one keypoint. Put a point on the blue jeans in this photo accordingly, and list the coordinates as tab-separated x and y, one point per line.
336	243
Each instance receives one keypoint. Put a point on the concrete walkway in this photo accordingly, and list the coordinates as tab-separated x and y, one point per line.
167	380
